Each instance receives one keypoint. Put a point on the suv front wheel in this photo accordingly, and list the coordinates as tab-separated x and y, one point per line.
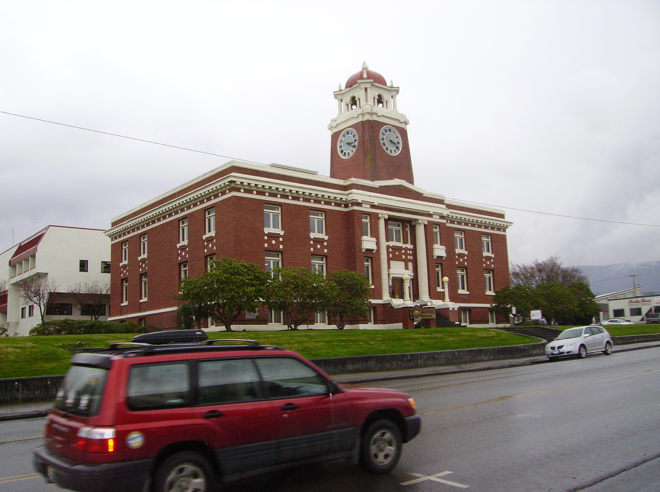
381	447
184	472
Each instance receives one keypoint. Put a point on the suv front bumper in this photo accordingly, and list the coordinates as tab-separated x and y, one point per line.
85	477
413	426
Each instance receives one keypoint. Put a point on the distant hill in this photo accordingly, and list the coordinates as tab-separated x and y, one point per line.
612	278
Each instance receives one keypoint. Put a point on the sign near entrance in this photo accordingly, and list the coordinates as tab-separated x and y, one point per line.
428	313
536	314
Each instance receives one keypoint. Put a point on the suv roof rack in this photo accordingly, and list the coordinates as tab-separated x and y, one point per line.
251	343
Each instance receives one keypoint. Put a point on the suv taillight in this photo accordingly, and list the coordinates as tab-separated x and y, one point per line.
96	440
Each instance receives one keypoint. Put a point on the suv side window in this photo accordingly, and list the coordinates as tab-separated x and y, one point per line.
153	386
222	381
286	377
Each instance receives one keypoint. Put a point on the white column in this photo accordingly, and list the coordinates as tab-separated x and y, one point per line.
406	287
422	264
385	286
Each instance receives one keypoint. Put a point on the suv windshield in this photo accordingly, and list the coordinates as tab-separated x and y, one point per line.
575	333
82	391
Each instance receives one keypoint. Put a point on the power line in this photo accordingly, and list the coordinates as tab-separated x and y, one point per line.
125	136
557	215
254	162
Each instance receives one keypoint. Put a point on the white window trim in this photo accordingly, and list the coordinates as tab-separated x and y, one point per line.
278	230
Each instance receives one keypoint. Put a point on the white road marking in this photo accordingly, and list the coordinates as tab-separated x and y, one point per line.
435	478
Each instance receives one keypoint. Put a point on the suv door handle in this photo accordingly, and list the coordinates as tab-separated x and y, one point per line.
289	406
213	414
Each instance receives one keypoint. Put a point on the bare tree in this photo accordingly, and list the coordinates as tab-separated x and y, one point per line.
91	297
543	272
37	291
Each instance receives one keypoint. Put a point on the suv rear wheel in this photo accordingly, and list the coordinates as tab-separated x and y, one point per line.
381	447
184	472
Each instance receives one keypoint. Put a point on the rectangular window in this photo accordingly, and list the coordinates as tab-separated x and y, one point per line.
183	271
274	316
368	271
83	265
124	252
491	317
23	312
183	231
486	244
31	310
395	232
210	221
488	277
321	318
316	222
224	381
272	216
366	225
143	246
461	279
209	262
438	275
124	290
465	316
105	267
273	261
92	310
436	234
459	240
59	309
633	312
318	264
144	287
152	386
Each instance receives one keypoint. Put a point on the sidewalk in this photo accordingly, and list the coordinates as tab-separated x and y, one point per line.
19	411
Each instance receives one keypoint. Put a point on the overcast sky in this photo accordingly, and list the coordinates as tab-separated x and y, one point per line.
547	106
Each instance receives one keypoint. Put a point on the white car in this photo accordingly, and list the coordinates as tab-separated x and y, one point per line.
617	322
580	341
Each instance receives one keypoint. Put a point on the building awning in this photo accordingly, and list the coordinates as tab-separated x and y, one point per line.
26	249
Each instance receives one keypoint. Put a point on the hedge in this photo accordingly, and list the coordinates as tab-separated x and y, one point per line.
88	327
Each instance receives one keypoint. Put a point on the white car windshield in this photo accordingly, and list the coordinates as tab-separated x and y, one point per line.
574	333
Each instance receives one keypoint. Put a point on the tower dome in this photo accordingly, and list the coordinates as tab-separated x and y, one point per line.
365	74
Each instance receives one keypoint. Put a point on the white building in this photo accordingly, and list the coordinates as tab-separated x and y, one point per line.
634	308
62	256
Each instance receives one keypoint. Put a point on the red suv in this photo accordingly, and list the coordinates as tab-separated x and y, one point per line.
188	416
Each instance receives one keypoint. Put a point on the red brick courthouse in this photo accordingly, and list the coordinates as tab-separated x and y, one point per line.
427	257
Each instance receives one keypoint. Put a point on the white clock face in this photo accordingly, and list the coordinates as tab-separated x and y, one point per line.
390	140
347	143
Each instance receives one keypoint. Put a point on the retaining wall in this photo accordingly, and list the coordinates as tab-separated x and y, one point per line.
44	388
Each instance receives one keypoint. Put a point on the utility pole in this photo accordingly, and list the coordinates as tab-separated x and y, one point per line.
634	277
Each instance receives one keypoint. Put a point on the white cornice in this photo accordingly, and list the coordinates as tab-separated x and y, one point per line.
274	187
365	113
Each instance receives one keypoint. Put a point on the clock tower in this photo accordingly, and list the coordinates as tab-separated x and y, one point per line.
369	135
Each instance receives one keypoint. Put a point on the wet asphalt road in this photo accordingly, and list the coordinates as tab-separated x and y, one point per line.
571	425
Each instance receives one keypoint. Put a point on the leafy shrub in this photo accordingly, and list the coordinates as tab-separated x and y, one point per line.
88	327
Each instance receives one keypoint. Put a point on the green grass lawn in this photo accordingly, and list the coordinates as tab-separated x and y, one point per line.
622	331
48	355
